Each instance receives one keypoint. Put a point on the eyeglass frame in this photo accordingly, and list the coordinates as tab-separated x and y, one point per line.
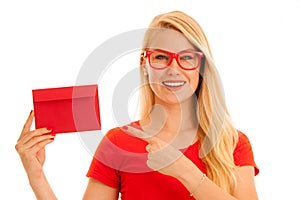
173	55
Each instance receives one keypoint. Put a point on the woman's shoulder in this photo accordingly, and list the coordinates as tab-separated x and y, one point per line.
242	139
243	153
118	131
243	143
124	140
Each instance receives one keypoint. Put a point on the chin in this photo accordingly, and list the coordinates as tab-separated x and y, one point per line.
173	99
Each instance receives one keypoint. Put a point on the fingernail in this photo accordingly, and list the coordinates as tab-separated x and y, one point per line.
53	134
49	129
30	112
125	128
51	138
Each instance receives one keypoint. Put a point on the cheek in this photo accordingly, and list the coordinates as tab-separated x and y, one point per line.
194	80
155	76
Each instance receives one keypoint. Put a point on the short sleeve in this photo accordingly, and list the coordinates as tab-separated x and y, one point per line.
103	173
101	168
243	154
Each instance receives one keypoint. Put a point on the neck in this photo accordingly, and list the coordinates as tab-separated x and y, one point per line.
173	117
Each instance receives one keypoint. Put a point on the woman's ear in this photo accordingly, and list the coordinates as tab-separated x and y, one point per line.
145	73
145	70
143	60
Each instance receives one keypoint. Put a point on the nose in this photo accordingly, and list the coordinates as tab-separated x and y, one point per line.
174	67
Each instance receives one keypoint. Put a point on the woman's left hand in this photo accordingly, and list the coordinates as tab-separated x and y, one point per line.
162	156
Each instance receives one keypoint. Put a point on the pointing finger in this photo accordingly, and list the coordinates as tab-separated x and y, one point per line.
136	132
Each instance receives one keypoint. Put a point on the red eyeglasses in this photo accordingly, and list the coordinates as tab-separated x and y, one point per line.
187	60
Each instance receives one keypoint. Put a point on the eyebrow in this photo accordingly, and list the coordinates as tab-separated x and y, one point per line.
177	51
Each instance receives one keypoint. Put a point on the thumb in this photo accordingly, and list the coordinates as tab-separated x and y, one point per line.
164	157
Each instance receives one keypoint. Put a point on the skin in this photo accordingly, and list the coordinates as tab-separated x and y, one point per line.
165	40
31	148
176	107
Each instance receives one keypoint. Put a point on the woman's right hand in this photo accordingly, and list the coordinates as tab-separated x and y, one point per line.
31	148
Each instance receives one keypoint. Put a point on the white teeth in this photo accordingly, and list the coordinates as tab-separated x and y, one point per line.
174	84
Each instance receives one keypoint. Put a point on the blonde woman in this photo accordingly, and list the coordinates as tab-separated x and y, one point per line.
183	147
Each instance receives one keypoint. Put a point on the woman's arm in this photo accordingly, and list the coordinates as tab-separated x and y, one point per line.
245	183
41	188
245	188
99	191
31	148
168	160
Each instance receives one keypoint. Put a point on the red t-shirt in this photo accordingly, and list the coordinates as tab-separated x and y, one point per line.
120	162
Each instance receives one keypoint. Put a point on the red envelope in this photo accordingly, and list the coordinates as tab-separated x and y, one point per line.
67	109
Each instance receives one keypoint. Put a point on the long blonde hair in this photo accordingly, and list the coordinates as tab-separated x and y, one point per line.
217	135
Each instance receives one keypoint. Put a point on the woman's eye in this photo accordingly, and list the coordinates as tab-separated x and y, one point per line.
186	57
161	57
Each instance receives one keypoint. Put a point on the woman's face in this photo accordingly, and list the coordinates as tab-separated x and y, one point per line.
171	84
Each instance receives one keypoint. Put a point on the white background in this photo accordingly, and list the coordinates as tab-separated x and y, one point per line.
256	49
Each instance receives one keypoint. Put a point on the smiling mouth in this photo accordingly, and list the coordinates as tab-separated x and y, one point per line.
173	83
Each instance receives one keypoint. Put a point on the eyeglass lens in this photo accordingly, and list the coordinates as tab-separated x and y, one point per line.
187	60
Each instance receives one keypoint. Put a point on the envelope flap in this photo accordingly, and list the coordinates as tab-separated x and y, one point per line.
51	94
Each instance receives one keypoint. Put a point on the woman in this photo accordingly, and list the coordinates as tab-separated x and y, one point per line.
183	147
